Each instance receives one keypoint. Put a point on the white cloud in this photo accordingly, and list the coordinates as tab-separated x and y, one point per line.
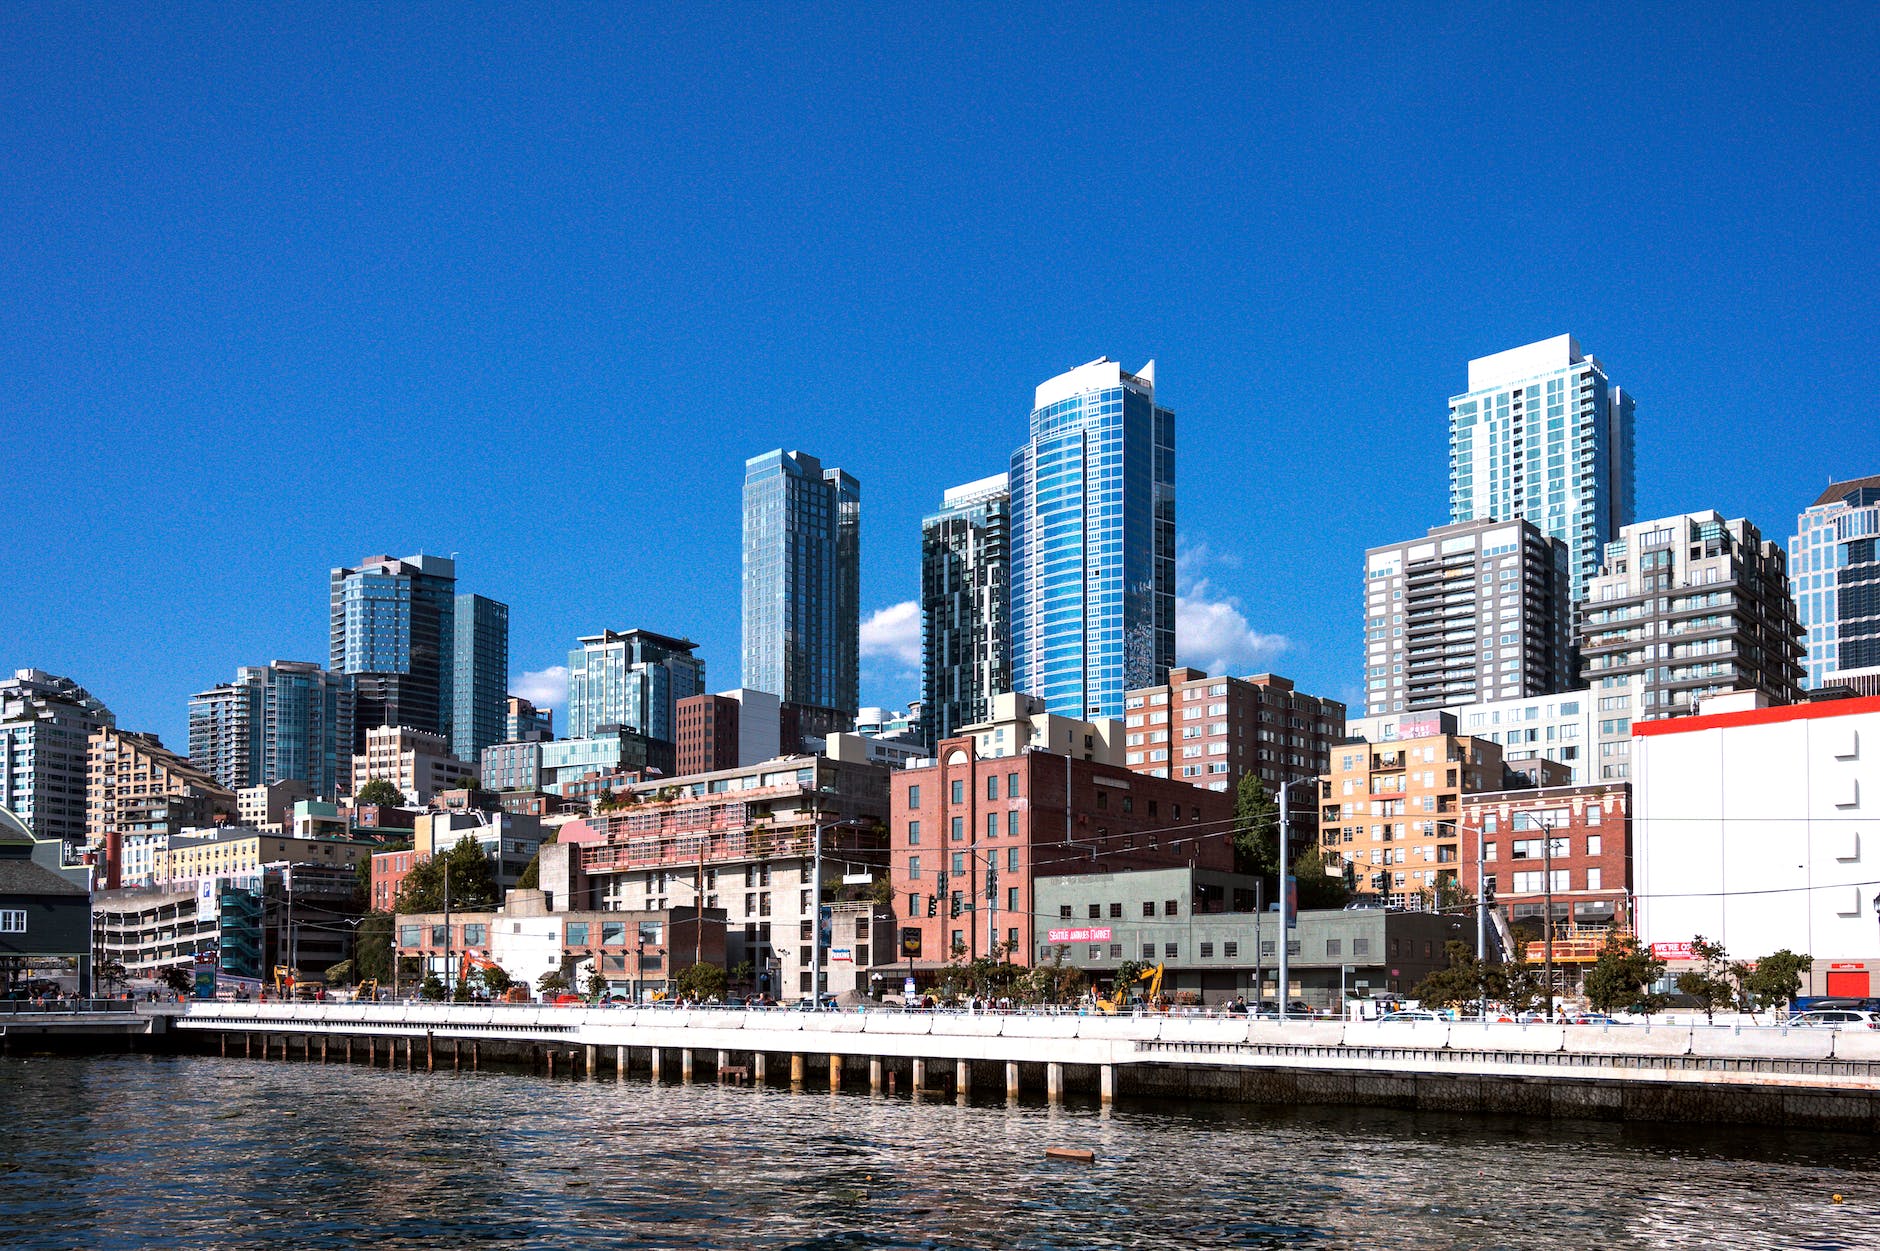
545	688
894	631
1212	633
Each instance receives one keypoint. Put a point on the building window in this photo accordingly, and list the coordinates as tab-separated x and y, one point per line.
1229	950
577	933
992	786
913	796
913	833
1116	910
1011	823
476	934
1011	786
1148	951
1334	946
1207	951
959	791
1096	951
959	862
1064	912
1096	911
1360	946
1592	879
1592	814
959	829
1116	951
12	920
992	825
1171	907
1592	844
913	873
1148	907
440	936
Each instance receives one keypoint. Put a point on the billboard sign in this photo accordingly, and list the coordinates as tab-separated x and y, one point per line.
1091	934
1672	951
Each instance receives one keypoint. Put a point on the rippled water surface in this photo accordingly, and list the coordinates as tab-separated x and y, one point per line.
198	1152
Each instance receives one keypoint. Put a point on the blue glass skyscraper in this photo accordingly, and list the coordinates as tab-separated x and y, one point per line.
480	686
802	581
394	628
633	678
1093	541
290	720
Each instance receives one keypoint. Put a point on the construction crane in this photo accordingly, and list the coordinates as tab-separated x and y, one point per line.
1114	1002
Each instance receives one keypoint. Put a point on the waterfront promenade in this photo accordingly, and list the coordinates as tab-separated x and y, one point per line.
1823	1078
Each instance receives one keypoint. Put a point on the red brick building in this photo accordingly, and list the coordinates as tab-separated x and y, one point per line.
1021	817
1209	731
707	734
1590	828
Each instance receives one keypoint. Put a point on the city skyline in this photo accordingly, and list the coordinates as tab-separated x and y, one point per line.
1337	309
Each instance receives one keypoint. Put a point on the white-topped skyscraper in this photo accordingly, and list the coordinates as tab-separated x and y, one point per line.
802	581
1093	541
1543	436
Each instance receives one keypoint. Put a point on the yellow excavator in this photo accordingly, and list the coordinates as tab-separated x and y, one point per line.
1113	1003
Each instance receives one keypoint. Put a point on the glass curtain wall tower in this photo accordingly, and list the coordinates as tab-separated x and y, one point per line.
632	678
287	721
965	604
1834	572
394	627
480	685
802	581
1542	436
1093	541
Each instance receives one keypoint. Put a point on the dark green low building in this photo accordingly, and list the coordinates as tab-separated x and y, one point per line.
43	913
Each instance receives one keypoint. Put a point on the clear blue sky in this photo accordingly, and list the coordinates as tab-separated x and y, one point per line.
285	287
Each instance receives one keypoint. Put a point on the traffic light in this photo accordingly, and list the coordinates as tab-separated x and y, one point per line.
1377	882
933	906
1488	890
992	884
954	904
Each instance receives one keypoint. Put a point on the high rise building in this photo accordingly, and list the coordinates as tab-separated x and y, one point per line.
136	785
1093	541
1471	612
394	628
802	581
1834	573
416	762
1541	435
525	723
1684	608
288	721
632	678
965	604
46	723
480	685
1211	731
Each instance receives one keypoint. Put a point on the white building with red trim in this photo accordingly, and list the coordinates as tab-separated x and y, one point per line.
1759	827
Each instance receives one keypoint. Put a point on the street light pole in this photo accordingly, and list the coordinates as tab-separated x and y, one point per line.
815	929
1547	918
1481	914
1285	898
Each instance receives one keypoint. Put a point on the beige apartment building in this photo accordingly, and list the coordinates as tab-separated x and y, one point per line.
416	762
136	785
1394	811
191	857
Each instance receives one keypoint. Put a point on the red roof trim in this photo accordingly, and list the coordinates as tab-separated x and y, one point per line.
1758	716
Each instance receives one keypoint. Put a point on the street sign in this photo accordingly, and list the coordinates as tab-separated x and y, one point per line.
857	879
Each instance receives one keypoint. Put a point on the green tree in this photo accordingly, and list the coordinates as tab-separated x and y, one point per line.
552	982
372	947
1318	888
110	973
180	978
472	881
743	974
1519	983
380	791
495	979
1713	984
340	974
1256	828
1622	974
701	983
596	983
431	989
1466	980
1776	979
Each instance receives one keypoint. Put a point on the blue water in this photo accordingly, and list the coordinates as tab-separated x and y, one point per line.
196	1152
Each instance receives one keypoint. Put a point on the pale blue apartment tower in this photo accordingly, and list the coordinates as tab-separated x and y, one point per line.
288	721
480	687
631	678
1834	573
802	581
1093	541
1543	436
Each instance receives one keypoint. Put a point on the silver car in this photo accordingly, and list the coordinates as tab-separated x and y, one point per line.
1836	1018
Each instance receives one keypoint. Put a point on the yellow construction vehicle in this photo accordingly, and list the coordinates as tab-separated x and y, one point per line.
283	981
1113	1003
366	991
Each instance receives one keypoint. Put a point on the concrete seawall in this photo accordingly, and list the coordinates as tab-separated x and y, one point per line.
1809	1078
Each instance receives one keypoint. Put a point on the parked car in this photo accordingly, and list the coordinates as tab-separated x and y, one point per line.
1413	1014
568	1001
1836	1018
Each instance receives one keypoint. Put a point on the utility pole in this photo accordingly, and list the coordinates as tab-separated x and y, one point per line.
698	900
992	904
1481	912
446	861
1547	915
1285	898
815	928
